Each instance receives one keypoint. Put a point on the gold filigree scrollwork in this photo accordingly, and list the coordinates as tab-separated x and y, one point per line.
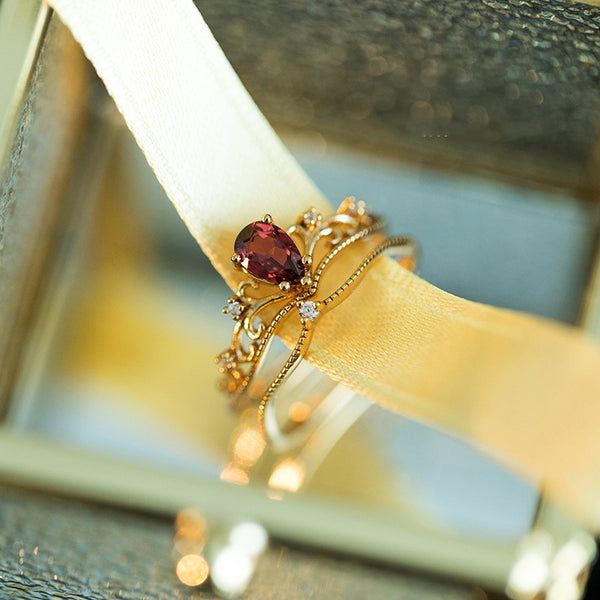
250	334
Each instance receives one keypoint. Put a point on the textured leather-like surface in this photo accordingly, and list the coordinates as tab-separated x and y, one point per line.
508	86
51	548
33	179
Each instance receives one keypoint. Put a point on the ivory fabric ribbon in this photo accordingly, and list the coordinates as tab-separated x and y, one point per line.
525	389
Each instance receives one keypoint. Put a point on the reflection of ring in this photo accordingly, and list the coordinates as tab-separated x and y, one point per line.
283	275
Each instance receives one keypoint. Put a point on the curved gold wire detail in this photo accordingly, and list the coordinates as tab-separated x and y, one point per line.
252	335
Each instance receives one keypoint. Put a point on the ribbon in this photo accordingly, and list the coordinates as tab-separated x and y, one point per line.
525	389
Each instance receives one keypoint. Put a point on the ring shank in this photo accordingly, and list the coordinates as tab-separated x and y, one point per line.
292	407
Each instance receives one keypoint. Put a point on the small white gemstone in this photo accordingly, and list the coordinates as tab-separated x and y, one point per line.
308	311
234	309
225	360
310	217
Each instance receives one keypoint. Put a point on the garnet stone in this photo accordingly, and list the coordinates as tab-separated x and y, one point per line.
267	252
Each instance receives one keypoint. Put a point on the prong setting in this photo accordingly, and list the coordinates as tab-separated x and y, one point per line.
234	308
282	271
311	219
308	311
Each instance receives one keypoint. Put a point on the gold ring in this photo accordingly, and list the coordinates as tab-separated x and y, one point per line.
286	270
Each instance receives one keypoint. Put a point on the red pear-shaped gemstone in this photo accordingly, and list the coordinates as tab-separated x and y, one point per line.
267	252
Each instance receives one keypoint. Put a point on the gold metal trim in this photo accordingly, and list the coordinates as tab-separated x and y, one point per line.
252	336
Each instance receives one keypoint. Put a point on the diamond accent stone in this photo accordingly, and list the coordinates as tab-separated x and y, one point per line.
310	218
234	308
267	252
308	310
226	360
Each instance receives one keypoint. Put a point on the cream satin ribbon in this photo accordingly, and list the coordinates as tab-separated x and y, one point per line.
525	389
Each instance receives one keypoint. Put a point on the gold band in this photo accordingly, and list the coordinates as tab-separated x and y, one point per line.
269	255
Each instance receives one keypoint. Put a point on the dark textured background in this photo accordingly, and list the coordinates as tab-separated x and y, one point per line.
504	87
52	548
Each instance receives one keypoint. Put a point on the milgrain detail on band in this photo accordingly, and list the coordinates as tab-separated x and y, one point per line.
281	376
272	258
396	241
297	351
